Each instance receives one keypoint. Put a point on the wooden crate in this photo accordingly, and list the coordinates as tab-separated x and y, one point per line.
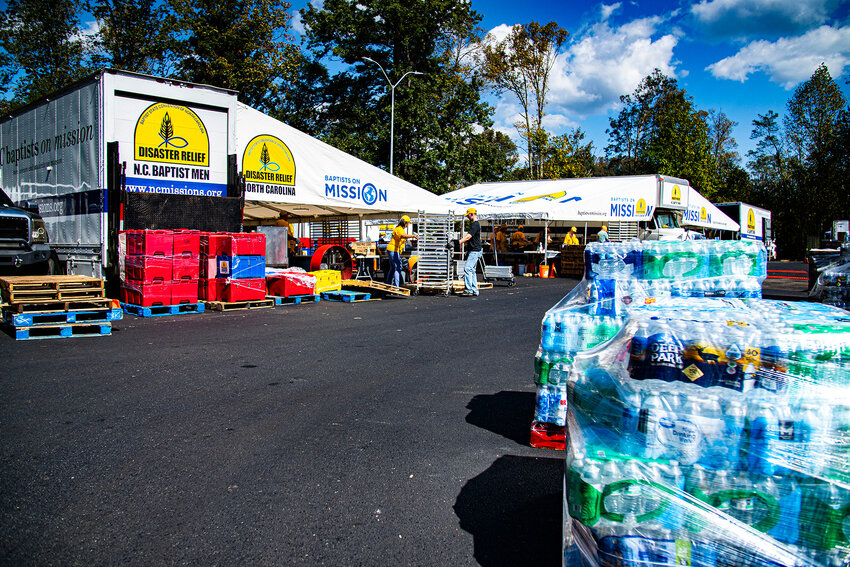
31	289
364	248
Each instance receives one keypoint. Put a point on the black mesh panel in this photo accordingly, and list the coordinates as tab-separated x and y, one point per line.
161	211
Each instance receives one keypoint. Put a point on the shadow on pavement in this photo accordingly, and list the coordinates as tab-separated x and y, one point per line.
508	414
514	512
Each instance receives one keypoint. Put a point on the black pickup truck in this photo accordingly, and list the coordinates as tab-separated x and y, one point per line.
24	247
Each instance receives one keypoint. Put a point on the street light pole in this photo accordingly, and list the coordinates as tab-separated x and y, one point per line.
392	102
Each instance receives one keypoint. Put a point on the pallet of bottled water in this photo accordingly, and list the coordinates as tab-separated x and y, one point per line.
708	432
833	285
620	276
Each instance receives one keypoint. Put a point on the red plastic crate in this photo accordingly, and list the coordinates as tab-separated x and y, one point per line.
287	286
215	243
250	289
146	294
150	242
246	244
548	436
208	266
211	289
185	268
148	269
187	243
184	291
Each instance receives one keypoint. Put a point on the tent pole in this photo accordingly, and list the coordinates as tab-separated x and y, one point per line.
585	233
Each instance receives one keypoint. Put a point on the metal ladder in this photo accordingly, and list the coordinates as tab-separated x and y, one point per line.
434	266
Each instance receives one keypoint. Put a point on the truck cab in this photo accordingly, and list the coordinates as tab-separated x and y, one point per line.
24	245
664	225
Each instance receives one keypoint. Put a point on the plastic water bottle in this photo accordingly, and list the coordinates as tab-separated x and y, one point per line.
638	352
711	425
629	437
810	432
557	413
839	463
541	413
789	496
742	507
673	517
652	412
734	421
764	435
547	332
720	485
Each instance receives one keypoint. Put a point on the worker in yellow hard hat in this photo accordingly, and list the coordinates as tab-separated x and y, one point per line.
518	240
501	239
571	239
473	236
394	249
602	235
291	241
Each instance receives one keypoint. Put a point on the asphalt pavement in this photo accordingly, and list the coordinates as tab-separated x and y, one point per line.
389	432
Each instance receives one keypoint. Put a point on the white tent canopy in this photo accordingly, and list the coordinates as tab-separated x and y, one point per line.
289	171
591	199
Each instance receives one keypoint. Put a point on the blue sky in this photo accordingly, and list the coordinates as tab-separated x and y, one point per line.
743	57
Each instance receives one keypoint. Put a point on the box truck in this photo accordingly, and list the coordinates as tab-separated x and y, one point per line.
115	151
754	221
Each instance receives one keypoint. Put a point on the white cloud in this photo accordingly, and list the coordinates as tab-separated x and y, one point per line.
742	18
607	10
297	23
788	61
601	64
607	62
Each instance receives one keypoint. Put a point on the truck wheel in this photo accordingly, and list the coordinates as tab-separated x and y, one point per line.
53	267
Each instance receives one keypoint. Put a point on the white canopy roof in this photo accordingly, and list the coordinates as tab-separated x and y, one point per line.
288	170
589	199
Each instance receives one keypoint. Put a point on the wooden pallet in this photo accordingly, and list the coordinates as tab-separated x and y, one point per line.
29	289
346	296
294	299
59	305
58	331
377	286
52	318
460	285
163	310
225	306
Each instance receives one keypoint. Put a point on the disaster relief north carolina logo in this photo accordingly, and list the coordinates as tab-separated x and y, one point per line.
268	166
751	221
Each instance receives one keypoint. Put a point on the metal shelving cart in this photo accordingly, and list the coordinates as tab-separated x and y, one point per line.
434	266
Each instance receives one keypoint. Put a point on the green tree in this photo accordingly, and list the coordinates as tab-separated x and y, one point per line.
436	116
242	45
521	64
135	35
569	156
658	130
42	49
812	114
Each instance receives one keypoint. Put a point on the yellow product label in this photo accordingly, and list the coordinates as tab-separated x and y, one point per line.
677	193
171	133
268	160
693	373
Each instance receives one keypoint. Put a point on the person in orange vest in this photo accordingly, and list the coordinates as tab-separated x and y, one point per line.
518	240
501	238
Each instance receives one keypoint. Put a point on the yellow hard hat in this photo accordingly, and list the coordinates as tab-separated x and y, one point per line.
519	227
383	234
471	211
573	229
605	228
405	218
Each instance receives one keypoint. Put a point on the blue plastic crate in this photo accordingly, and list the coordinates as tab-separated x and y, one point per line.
241	267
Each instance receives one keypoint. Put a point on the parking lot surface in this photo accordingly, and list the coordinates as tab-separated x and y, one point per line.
389	432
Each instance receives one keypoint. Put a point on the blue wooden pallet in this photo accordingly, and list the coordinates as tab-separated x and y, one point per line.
163	310
344	295
40	319
58	331
295	299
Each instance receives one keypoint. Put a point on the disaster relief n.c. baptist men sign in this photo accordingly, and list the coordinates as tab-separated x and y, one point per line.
173	151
